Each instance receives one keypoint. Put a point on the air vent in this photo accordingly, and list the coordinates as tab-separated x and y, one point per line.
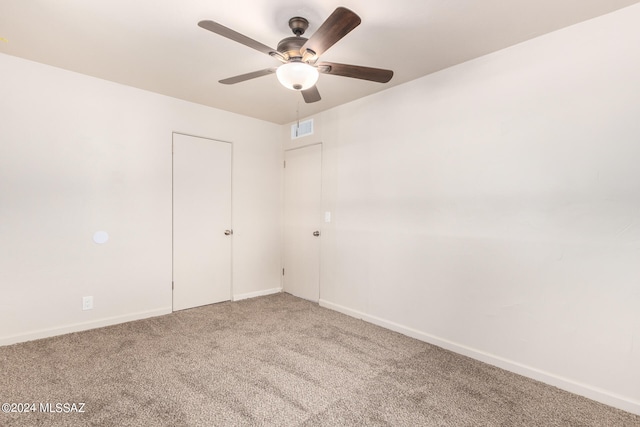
301	129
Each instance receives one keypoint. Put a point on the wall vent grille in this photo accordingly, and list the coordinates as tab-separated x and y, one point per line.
300	129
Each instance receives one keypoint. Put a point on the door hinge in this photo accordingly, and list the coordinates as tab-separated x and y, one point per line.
283	271
284	164
171	285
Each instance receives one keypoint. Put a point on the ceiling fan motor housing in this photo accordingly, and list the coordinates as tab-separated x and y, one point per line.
290	47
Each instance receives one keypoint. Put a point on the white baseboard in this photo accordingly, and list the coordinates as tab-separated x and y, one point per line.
257	294
591	392
77	327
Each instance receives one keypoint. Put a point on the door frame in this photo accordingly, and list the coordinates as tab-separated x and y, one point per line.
230	209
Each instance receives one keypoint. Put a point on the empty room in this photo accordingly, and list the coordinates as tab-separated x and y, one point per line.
301	213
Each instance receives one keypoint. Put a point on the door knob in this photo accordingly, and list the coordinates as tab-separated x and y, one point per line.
316	233
228	232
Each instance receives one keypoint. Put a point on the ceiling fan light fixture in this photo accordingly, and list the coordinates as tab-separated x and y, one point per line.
297	75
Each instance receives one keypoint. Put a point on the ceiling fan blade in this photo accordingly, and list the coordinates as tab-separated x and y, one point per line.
237	37
335	27
355	71
248	76
311	95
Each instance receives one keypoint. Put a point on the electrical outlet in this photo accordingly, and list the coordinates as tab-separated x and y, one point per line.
87	303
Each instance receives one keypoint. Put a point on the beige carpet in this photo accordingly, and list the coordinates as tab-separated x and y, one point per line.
275	360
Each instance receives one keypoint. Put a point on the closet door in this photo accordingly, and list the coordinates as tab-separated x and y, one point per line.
302	220
201	221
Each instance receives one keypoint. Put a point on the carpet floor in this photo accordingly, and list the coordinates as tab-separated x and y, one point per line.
275	360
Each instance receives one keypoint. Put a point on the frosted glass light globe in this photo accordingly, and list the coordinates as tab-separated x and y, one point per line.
297	75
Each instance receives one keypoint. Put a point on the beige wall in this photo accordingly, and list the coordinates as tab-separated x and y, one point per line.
78	155
493	208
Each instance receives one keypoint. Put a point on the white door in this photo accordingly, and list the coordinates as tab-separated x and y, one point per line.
302	192
201	216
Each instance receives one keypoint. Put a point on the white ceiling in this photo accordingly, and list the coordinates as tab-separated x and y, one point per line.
156	44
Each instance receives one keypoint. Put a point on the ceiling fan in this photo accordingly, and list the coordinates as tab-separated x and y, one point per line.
299	55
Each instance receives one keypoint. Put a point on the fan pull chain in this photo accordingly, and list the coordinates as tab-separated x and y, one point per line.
298	118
